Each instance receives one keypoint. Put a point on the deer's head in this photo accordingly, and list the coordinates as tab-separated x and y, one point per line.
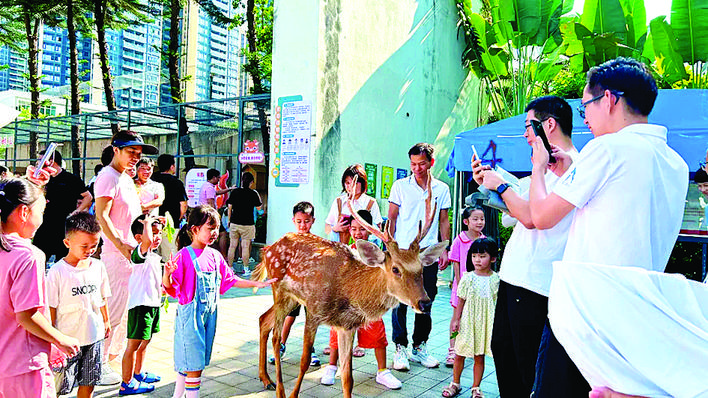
403	268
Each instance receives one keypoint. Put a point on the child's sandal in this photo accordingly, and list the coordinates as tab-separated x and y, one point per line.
451	390
477	393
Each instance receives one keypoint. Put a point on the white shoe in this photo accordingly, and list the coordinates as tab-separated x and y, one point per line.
400	359
328	376
420	354
387	379
109	376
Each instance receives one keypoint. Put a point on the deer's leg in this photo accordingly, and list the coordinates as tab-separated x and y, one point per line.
345	339
308	340
265	324
282	306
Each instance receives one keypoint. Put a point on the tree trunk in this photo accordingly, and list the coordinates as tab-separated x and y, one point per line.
32	27
74	78
254	70
100	16
173	57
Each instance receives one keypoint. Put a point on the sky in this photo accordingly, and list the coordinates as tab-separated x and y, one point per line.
654	8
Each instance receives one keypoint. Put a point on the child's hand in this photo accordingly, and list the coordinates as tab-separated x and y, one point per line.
267	283
171	265
455	325
107	326
68	345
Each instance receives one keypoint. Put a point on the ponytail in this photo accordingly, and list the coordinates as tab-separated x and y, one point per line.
200	215
184	237
13	193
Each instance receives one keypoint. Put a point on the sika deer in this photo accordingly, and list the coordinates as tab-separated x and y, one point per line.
339	288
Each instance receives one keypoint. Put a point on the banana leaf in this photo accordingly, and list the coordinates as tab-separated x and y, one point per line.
689	21
604	16
669	63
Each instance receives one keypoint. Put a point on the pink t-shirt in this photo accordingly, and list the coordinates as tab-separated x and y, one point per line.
125	205
206	192
458	252
184	279
21	289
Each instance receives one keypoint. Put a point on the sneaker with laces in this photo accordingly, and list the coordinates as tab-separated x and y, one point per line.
109	377
387	379
314	360
400	359
420	354
328	376
271	360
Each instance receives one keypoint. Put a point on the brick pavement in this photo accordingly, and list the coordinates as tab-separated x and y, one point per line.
233	371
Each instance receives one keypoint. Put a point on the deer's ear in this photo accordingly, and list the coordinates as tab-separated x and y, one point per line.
370	254
432	253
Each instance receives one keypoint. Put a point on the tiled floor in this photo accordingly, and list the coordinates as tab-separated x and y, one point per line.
233	371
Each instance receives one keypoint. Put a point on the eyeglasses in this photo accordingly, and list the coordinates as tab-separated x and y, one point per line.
526	126
581	107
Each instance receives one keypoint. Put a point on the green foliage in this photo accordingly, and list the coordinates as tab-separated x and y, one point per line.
687	259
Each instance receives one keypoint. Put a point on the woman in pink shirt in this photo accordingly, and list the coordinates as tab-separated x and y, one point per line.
196	276
26	334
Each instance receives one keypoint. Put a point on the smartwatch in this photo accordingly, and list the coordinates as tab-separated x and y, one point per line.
502	187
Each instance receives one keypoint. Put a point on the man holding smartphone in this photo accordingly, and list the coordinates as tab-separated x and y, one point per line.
526	268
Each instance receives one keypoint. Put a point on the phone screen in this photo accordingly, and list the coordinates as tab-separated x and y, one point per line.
474	151
48	155
538	130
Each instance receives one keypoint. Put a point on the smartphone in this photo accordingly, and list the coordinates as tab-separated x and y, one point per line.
474	151
538	130
46	158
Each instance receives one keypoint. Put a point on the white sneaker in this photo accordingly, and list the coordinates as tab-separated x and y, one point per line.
387	379
328	376
109	376
421	355
400	359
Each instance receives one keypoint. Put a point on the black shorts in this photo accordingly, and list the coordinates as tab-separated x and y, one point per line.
84	367
143	322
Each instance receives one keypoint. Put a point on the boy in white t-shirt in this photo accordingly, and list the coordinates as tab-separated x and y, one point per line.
145	286
78	287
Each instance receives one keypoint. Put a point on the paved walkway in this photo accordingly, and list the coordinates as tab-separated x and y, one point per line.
233	371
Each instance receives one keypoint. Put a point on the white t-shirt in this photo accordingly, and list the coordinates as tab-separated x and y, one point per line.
78	295
410	199
150	191
359	204
629	189
145	284
125	204
529	254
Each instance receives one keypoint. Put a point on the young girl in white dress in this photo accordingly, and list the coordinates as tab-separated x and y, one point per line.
474	315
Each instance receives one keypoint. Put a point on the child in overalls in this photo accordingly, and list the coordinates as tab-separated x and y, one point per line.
196	276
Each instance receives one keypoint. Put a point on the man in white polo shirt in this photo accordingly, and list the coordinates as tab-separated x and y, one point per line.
405	210
527	264
628	188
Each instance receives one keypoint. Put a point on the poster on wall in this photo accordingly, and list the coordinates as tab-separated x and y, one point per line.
401	173
386	181
370	179
193	183
292	141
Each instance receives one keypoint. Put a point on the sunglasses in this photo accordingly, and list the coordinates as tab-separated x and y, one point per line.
581	107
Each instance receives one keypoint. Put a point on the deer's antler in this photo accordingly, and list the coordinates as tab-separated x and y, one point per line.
385	237
424	226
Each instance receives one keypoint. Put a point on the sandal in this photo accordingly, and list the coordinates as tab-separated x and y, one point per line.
147	377
451	390
136	388
450	358
477	393
358	352
327	350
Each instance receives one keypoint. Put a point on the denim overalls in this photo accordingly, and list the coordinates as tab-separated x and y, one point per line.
195	324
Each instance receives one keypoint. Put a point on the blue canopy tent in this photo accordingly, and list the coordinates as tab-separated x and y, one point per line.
683	112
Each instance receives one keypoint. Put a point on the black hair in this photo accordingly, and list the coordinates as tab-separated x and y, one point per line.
701	176
97	168
211	173
366	215
3	169
107	155
304	207
628	76
481	245
146	161
355	170
13	193
555	107
137	226
421	148
246	179
467	211
81	221
57	156
165	161
200	215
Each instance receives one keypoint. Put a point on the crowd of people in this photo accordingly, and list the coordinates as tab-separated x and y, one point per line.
603	219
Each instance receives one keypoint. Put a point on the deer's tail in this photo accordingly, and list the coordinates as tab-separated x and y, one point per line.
260	273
